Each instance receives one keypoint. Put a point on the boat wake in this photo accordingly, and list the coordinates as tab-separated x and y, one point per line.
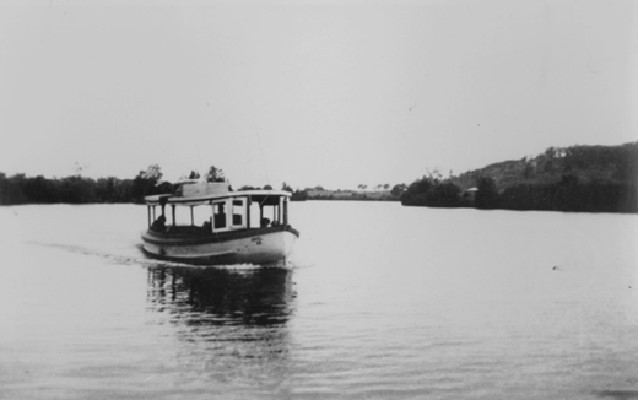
110	257
142	260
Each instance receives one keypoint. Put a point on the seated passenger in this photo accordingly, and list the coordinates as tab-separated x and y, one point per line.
159	223
265	222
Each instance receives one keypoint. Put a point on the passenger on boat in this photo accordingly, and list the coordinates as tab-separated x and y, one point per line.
265	222
159	224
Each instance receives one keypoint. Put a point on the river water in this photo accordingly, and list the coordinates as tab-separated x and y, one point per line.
378	301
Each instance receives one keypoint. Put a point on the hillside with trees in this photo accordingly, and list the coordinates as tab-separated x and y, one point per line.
611	164
577	178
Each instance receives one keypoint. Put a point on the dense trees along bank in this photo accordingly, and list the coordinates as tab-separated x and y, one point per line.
19	189
578	178
567	195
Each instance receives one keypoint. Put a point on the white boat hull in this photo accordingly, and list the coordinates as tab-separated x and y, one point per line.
259	247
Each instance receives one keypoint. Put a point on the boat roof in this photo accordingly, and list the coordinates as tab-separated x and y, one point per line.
266	197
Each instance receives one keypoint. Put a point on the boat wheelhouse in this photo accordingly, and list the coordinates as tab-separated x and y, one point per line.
246	226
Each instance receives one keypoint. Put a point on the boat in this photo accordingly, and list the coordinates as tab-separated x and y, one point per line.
244	226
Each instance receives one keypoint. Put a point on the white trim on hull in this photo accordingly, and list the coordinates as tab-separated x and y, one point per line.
259	248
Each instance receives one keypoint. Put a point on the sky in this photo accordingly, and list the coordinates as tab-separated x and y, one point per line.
310	92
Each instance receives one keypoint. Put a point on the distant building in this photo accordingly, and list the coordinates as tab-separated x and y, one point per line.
557	152
343	194
361	194
320	193
376	194
470	193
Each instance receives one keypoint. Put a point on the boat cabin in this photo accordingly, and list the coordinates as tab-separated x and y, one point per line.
205	208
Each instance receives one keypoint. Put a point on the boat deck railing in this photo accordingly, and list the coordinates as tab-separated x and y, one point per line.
202	231
184	229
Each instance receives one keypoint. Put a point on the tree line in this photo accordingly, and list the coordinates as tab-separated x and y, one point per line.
569	194
19	189
434	193
576	178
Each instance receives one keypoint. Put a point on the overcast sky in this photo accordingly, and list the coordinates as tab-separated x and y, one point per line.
310	92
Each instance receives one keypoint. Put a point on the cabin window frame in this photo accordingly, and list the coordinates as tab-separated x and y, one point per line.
224	212
242	214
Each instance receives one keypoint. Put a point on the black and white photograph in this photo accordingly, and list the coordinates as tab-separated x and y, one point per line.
318	199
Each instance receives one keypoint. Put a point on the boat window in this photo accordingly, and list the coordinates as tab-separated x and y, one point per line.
238	212
219	215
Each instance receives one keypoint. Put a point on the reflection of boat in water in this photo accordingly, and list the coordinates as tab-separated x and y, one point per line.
260	296
232	325
237	230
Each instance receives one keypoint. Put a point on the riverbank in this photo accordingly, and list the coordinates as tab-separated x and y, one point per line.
20	189
567	195
577	178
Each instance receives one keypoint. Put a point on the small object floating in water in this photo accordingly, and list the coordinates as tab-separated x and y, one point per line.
555	267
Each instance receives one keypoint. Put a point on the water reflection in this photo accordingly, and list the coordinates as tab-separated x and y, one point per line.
231	325
217	296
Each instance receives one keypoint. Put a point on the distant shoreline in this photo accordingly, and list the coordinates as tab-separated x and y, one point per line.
348	200
572	179
397	199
